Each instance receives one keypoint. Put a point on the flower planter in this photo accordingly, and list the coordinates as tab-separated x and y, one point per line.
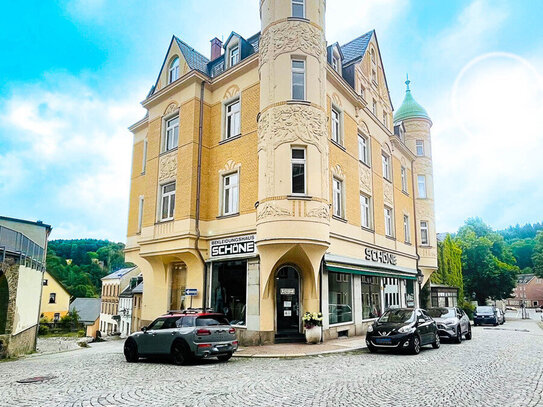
313	334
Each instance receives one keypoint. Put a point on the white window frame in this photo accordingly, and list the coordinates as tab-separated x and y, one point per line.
389	221
337	126
235	115
298	161
364	149
404	179
173	70
385	121
421	187
167	143
337	197
298	71
233	194
171	198
298	2
141	201
144	156
335	63
406	229
386	166
365	211
234	59
419	147
424	233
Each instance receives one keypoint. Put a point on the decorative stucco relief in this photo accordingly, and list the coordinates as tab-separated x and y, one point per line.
231	165
419	125
423	166
336	100
322	212
388	193
231	92
365	179
290	36
425	211
270	209
338	171
363	127
172	107
167	167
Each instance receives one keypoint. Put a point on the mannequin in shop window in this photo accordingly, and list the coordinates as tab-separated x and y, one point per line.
220	299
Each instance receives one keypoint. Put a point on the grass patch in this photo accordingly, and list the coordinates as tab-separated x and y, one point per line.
60	335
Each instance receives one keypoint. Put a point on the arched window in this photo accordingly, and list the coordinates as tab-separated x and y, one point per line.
173	73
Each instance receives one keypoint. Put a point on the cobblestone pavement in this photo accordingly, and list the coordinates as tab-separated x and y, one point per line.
501	366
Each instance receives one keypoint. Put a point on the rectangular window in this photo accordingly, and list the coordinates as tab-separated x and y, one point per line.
338	198
56	317
52	298
386	166
230	194
171	138
229	290
234	56
233	119
340	298
45	281
144	157
374	107
421	181
298	171
363	149
404	179
298	79
385	118
424	233
140	214
167	199
365	211
374	76
388	221
420	147
298	8
371	297
335	64
336	126
406	229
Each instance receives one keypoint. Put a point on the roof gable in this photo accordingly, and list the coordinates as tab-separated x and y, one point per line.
355	50
88	309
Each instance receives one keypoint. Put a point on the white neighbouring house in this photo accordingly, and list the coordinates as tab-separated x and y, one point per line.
126	303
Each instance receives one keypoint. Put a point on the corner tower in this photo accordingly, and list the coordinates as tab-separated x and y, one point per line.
293	208
417	124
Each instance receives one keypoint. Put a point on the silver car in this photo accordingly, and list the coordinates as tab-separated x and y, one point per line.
452	323
184	336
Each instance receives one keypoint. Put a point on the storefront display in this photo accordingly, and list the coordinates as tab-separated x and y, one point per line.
371	297
340	298
229	290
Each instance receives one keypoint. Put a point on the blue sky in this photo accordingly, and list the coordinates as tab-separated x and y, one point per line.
73	74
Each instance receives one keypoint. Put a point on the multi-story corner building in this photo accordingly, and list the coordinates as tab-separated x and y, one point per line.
112	286
55	299
274	179
23	245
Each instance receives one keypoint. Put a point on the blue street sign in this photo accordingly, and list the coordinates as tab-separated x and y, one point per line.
192	292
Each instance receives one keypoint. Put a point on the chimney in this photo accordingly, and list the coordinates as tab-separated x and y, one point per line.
216	48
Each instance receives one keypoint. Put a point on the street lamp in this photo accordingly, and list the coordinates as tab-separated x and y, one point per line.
420	279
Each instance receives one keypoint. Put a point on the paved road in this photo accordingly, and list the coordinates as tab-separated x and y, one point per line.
499	367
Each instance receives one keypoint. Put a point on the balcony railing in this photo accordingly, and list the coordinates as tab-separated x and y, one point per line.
16	243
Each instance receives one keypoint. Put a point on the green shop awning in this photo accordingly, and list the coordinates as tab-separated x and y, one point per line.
355	270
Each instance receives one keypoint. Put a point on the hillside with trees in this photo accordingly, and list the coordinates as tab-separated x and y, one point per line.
80	264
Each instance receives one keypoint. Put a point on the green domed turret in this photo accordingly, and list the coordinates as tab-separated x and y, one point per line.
410	109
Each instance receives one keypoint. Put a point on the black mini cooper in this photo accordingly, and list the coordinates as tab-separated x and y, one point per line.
403	329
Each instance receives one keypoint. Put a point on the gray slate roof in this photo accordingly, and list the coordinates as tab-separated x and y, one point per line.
138	289
87	308
118	274
356	48
524	278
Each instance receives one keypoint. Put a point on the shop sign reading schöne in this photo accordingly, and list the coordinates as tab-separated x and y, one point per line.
379	256
233	246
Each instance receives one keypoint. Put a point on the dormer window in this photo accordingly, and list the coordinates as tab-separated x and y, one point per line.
234	55
173	72
298	8
335	63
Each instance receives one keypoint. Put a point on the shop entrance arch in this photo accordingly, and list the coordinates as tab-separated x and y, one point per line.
288	301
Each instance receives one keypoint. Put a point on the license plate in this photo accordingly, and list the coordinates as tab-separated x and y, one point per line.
383	340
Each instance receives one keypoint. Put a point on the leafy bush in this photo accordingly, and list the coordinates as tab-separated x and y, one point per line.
81	333
43	330
468	308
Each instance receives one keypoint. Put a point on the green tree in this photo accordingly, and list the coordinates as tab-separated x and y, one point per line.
523	250
537	257
489	267
449	262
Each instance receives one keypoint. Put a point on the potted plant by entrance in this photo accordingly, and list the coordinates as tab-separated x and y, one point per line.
313	326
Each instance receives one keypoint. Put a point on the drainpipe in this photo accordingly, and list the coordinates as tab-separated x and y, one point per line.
198	193
416	231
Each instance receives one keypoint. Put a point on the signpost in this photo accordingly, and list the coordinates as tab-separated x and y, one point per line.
191	292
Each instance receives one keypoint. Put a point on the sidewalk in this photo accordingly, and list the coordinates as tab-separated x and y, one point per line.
297	350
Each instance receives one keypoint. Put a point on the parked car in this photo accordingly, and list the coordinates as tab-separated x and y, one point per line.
403	329
509	308
501	316
485	315
540	309
184	336
452	323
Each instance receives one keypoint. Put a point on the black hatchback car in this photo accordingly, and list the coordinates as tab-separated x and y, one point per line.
403	329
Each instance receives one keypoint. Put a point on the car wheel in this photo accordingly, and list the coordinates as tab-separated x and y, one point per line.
458	338
496	323
131	351
225	358
179	354
468	335
372	348
437	342
415	345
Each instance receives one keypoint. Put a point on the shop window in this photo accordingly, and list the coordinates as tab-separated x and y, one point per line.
371	297
178	282
229	290
392	292
340	298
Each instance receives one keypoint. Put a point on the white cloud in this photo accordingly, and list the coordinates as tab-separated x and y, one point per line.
72	156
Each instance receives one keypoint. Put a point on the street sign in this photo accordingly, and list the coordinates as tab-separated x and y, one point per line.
191	292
